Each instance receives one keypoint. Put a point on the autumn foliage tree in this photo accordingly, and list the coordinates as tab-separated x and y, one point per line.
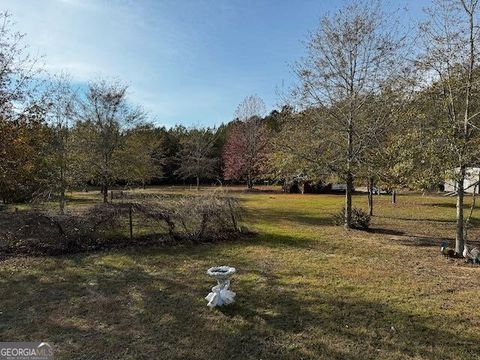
244	151
22	132
25	152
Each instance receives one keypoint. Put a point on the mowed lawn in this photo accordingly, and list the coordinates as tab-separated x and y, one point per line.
305	290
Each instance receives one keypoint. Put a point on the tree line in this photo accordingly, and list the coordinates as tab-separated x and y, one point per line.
64	141
374	104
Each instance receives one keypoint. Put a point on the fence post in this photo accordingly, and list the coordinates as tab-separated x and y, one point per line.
232	215
130	216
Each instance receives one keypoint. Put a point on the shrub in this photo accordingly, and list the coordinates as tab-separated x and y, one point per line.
360	218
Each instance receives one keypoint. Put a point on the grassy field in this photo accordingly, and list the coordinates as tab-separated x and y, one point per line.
305	290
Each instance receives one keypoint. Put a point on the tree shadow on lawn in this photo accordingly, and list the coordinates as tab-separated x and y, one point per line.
278	216
352	329
422	241
273	240
415	219
385	231
125	314
402	236
103	311
429	234
449	205
405	238
409	238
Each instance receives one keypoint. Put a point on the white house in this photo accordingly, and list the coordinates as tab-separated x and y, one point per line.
472	177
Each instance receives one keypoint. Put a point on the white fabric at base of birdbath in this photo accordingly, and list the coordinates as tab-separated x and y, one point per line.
220	294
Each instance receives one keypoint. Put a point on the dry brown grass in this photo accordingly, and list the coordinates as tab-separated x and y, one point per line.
306	290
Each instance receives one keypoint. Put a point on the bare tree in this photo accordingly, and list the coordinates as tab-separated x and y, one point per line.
351	59
195	158
251	107
17	67
105	115
450	61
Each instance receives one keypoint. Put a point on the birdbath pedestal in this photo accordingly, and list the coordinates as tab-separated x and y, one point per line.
220	294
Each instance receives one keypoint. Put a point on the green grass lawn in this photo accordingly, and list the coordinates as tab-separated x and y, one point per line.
305	290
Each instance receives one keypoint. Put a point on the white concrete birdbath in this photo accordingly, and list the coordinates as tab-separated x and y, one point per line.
220	294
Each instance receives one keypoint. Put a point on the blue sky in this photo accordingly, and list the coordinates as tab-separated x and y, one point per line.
187	61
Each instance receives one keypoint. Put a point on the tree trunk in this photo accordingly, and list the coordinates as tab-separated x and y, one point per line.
349	190
350	158
370	196
105	193
130	222
249	182
459	238
394	197
232	215
348	201
460	235
62	201
62	190
198	183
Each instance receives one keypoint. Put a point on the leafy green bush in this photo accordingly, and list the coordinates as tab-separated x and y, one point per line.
360	218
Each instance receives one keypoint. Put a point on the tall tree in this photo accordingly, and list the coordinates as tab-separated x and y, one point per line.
143	155
105	116
450	63
170	143
20	115
26	152
244	151
62	103
196	156
350	59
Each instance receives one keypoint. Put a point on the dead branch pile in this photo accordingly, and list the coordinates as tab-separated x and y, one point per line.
208	217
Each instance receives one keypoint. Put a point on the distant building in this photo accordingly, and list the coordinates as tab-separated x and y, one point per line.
301	186
339	187
471	179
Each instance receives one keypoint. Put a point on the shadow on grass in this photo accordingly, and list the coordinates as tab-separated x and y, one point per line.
101	310
427	241
277	241
279	216
423	241
420	219
449	205
408	239
385	231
